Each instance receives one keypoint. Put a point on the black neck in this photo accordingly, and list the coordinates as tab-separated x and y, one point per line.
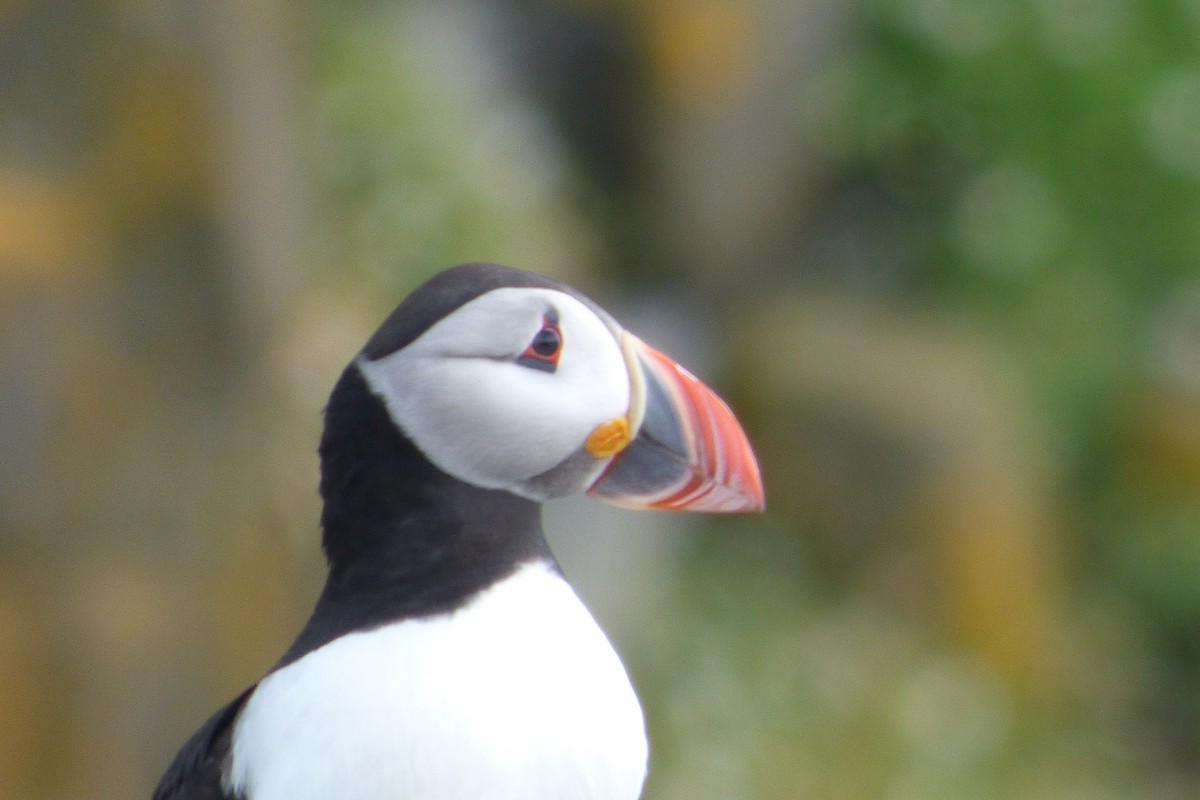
403	538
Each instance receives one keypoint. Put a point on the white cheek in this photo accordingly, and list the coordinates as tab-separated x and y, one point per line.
495	423
490	421
459	394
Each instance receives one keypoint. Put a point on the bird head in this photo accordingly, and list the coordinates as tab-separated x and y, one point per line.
508	380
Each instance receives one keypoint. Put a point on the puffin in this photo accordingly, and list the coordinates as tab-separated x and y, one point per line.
447	656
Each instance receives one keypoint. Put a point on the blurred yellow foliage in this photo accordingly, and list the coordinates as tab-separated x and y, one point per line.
49	228
702	52
156	144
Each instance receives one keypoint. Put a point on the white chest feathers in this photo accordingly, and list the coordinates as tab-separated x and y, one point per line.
518	696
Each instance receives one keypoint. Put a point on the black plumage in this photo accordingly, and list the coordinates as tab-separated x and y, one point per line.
403	539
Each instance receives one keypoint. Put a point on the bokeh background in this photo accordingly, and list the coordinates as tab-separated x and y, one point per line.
943	257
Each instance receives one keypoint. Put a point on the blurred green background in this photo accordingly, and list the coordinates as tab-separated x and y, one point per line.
943	257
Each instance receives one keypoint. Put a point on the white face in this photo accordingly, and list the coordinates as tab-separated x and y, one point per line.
480	411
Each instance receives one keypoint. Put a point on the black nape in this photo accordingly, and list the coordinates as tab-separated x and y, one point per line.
403	538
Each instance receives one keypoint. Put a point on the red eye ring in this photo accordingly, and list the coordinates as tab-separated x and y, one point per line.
544	351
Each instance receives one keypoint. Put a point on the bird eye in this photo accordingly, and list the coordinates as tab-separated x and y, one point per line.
543	352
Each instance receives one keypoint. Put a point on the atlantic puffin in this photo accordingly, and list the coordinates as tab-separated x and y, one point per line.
447	657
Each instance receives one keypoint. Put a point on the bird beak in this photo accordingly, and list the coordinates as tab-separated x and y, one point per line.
679	447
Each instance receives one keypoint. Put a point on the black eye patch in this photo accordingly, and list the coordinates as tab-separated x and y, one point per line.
544	350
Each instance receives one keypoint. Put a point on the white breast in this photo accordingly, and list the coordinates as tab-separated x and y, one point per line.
517	696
